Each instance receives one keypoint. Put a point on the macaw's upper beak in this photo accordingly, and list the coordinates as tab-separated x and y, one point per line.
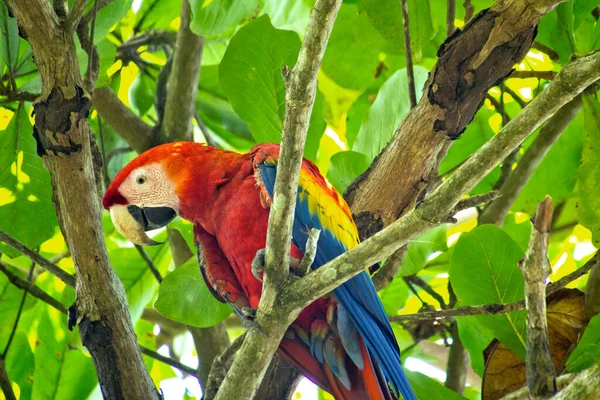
133	222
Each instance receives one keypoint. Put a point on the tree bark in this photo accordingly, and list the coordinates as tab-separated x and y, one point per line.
63	137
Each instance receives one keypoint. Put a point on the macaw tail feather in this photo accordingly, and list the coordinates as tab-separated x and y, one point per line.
367	384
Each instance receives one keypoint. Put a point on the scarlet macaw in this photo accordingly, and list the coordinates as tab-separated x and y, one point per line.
343	342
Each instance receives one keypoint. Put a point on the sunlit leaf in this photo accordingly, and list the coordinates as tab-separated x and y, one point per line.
141	93
20	364
26	210
421	248
426	387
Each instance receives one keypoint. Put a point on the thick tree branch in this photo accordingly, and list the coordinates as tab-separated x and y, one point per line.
574	78
257	351
584	387
183	81
75	15
54	269
496	211
63	135
541	376
138	134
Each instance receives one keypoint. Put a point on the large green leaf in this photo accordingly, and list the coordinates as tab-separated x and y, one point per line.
184	297
141	93
216	16
556	175
476	339
589	169
289	14
10	299
430	389
421	248
10	38
384	116
250	76
20	364
587	351
556	31
108	16
353	50
157	14
581	9
61	371
26	210
344	167
484	270
386	17
394	296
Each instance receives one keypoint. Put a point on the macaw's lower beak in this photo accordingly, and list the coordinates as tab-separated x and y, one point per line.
133	222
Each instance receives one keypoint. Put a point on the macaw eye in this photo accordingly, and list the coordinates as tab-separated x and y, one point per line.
141	180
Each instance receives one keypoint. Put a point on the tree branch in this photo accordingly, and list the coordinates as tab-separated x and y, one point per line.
496	211
169	361
450	16
574	78
547	75
5	383
75	15
62	134
384	276
410	75
183	81
55	270
257	351
541	376
138	134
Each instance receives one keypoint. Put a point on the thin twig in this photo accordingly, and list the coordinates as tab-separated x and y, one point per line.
32	289
469	9
169	361
515	96
476	200
547	75
205	132
546	50
38	259
416	280
450	17
5	383
150	263
311	251
16	324
408	52
494	309
541	376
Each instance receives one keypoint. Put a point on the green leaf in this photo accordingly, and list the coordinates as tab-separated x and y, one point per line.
476	339
394	296
556	31
289	14
10	299
429	388
141	93
352	55
20	365
581	9
421	248
61	372
587	351
26	210
589	169
557	174
250	76
384	116
386	17
216	16
484	270
10	38
520	233
344	167
108	16
184	297
157	14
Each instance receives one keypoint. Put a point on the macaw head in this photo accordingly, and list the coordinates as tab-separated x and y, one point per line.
144	195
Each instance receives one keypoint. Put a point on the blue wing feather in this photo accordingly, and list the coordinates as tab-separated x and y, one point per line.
357	295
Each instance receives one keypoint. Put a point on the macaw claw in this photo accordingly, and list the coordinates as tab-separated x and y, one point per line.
258	264
248	316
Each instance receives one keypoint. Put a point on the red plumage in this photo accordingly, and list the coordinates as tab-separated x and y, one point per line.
218	192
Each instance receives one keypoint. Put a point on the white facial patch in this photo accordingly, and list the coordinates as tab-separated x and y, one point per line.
149	186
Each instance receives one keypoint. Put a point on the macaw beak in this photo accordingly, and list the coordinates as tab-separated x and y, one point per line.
133	222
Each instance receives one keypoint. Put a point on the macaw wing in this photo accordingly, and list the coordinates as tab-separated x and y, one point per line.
319	206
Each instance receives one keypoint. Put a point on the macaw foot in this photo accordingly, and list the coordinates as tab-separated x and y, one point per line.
248	316
258	264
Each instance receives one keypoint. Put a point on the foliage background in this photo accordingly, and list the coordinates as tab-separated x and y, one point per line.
362	97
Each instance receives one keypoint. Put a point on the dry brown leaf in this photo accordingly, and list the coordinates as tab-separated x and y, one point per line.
505	372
